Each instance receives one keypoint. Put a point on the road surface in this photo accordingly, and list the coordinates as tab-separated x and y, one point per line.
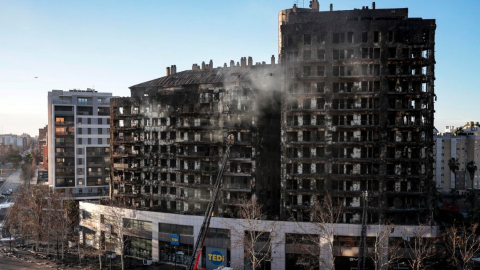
12	182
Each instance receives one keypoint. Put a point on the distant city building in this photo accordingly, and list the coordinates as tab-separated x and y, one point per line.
42	140
5	150
462	143
78	142
42	148
22	142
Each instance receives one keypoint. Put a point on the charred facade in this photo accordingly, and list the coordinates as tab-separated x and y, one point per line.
357	111
168	138
349	109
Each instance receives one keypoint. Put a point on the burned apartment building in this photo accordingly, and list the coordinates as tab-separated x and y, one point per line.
357	111
348	109
168	138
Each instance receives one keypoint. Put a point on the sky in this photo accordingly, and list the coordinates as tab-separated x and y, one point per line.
111	45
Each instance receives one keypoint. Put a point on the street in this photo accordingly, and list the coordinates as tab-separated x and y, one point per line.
12	182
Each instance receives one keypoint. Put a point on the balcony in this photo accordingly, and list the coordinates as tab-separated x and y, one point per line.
63	113
64	144
120	166
98	173
62	133
97	153
62	101
64	164
231	201
96	164
64	154
125	153
64	123
237	186
91	194
68	174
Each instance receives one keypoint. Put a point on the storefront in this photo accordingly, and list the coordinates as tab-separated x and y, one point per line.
89	236
139	248
175	243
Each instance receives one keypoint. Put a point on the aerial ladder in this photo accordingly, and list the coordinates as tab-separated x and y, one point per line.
197	251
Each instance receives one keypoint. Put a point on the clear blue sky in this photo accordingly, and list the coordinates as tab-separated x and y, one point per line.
111	45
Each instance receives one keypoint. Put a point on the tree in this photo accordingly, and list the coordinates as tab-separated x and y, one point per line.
324	214
40	214
462	244
63	209
14	158
28	168
27	215
420	247
385	252
98	249
254	234
454	166
115	216
471	169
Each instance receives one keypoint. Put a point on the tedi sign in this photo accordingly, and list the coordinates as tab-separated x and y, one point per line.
216	257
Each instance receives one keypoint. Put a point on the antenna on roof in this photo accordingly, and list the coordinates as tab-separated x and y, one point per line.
298	3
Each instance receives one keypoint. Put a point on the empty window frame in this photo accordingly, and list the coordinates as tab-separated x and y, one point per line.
307	71
338	71
364	37
321	71
307	39
321	38
349	37
321	54
376	36
320	87
307	55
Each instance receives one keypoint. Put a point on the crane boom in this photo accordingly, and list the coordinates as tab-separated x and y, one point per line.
211	205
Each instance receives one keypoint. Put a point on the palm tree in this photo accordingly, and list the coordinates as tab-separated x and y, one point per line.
454	165
471	168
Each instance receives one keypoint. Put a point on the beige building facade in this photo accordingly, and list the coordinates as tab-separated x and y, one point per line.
462	143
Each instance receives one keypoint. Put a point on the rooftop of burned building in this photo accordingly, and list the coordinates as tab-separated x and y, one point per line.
325	13
205	74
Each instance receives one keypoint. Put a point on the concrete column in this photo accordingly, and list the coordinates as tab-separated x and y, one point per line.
326	254
278	250
155	246
98	231
196	232
384	254
237	250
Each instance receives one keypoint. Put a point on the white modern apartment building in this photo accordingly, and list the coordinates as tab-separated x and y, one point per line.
462	143
79	144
